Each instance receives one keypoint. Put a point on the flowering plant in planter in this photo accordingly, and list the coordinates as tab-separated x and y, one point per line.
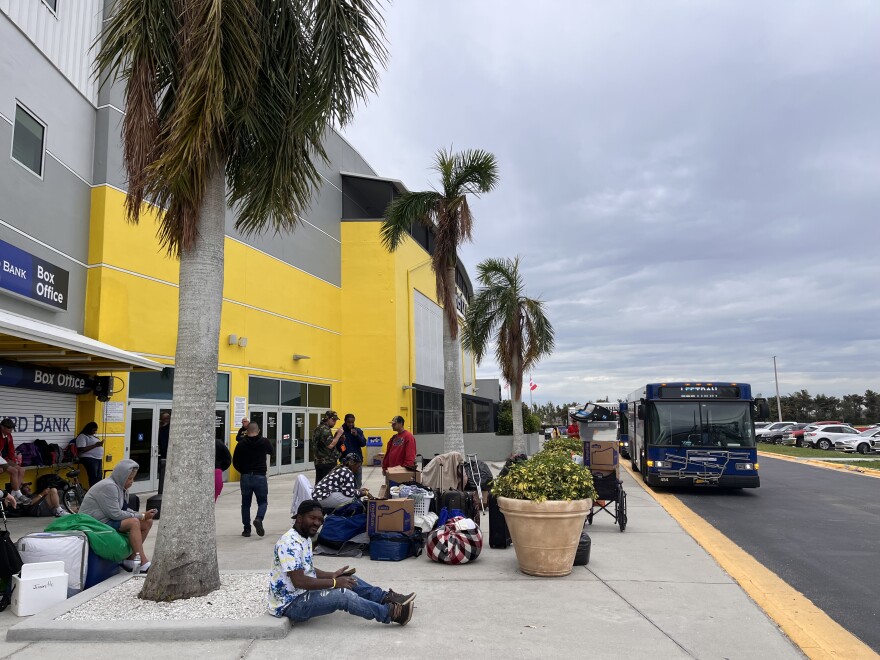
549	475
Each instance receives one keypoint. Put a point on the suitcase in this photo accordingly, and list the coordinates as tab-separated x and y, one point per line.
99	569
464	501
70	547
155	502
582	556
499	535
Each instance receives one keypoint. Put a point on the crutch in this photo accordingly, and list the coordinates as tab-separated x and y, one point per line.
475	475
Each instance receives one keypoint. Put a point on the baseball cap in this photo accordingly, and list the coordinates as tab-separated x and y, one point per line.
8	423
396	420
330	413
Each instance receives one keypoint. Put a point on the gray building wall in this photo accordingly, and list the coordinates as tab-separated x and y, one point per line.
487	446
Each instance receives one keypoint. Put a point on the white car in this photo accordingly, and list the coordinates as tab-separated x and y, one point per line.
829	435
864	443
761	433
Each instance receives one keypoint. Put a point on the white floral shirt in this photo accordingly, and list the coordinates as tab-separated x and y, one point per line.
292	553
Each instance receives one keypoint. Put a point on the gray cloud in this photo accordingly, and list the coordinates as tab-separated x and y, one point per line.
694	188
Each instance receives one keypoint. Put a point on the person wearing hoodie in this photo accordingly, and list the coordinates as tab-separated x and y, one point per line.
107	502
249	459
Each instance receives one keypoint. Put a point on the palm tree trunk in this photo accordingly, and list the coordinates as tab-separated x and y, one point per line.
519	438
185	561
452	419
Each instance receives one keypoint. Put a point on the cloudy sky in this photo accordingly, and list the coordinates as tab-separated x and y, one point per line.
694	187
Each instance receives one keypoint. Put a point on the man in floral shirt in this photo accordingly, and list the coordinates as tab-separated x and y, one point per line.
301	592
326	441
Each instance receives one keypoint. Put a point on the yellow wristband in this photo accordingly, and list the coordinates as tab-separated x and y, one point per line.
334	583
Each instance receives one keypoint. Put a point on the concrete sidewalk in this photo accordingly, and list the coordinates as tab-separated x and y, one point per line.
648	592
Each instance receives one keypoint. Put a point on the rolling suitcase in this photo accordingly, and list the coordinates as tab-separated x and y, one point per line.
70	547
465	501
499	535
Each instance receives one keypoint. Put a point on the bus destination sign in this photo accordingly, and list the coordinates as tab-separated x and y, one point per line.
699	392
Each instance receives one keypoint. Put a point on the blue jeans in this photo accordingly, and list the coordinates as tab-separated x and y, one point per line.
253	484
364	601
92	466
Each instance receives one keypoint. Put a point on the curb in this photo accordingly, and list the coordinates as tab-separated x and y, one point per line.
819	463
809	628
44	626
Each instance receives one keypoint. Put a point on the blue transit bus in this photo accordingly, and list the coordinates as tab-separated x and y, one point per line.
699	434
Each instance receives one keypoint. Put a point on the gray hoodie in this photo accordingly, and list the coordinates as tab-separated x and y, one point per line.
105	499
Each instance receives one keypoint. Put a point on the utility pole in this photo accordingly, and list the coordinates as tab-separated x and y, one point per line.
778	401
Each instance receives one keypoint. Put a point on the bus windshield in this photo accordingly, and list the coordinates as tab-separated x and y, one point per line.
702	424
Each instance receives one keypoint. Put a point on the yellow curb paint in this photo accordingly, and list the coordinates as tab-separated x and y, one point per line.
813	631
819	463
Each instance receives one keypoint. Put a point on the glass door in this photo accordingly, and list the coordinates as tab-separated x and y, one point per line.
285	447
220	432
314	420
143	443
267	418
301	440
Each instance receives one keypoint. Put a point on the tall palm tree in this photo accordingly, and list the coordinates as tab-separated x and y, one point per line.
227	102
448	215
500	311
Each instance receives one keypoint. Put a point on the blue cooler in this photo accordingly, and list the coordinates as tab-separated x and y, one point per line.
99	569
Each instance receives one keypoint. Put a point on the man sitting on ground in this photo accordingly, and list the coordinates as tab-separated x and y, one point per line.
301	592
107	502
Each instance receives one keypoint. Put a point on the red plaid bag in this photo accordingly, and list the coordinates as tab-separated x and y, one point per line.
457	542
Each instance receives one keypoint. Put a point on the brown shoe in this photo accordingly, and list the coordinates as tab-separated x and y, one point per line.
394	597
401	612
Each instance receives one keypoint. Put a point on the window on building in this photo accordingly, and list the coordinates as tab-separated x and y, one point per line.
477	415
293	393
429	411
319	396
160	385
27	140
263	391
223	387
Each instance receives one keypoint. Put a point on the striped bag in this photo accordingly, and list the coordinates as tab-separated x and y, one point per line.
457	542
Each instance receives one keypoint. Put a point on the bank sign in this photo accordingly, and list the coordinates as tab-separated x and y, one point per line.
37	378
29	277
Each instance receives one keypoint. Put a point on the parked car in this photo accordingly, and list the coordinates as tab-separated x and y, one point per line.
797	435
826	436
762	434
761	425
864	443
784	436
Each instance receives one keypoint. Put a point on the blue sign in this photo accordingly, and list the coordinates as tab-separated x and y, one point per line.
29	377
22	274
374	441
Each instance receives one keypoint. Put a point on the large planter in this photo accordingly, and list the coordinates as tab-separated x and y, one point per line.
545	534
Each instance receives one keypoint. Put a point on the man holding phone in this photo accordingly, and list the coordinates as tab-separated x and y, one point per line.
301	592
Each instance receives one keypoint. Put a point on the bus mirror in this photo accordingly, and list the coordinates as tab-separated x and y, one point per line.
640	412
762	410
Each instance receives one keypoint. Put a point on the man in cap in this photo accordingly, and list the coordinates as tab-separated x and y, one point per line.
401	448
325	441
301	592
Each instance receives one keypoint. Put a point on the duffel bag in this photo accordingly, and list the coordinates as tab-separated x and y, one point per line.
339	529
395	546
457	542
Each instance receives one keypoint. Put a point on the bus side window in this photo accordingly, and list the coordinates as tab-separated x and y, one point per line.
640	412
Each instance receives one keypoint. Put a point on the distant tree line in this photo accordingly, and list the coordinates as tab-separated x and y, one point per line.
850	408
550	413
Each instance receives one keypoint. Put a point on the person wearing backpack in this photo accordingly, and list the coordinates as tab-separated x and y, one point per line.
9	461
90	451
222	461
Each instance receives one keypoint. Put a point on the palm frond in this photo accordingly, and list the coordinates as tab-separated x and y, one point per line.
410	208
474	172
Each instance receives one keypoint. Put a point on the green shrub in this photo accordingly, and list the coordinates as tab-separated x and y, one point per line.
531	423
567	446
546	476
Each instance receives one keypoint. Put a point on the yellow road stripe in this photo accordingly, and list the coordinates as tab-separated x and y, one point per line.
817	635
819	463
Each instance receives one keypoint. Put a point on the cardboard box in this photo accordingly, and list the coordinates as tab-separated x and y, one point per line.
41	585
602	454
390	516
377	459
399	475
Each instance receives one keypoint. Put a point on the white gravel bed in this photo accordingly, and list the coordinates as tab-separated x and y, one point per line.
240	596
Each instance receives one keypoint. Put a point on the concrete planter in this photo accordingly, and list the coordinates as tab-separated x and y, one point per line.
545	534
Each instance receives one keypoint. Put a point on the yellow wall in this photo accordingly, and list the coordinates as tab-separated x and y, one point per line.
360	336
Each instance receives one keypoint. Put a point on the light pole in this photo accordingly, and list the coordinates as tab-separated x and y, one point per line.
778	402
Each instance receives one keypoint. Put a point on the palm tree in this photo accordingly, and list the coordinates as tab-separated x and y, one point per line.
448	216
521	331
227	102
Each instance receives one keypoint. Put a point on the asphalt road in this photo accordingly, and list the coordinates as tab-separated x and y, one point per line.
817	529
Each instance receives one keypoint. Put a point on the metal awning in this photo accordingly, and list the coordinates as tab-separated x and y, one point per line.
24	339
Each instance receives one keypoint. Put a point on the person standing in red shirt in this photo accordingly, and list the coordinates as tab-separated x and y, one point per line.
401	448
574	431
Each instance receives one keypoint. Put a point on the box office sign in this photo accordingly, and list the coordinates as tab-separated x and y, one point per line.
29	277
29	377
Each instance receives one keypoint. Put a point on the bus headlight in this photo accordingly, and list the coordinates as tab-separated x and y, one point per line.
746	466
659	464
